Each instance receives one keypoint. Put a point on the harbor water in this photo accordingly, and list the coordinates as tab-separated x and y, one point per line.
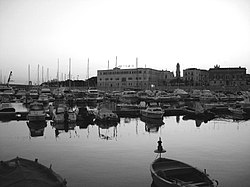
92	156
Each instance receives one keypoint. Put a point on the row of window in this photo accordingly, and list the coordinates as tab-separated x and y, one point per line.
121	72
122	79
122	84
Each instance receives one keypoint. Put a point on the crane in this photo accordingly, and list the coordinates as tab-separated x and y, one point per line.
9	78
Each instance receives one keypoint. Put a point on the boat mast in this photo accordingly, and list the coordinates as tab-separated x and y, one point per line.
88	73
69	73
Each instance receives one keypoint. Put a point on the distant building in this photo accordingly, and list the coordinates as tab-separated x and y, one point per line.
195	77
137	78
227	76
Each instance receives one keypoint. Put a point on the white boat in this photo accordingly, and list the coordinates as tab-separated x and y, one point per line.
172	173
36	112
155	112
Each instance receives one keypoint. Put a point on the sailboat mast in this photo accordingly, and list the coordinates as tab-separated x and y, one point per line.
69	72
88	72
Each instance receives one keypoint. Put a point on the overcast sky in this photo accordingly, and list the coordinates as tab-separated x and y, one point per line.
195	33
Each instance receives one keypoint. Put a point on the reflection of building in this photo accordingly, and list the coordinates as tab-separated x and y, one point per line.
137	78
227	76
195	77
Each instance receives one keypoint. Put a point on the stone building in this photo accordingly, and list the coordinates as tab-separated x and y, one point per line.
195	77
227	76
137	79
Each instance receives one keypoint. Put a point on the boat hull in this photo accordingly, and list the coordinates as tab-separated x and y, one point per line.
173	173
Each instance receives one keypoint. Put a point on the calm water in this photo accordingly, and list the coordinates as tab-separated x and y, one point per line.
121	155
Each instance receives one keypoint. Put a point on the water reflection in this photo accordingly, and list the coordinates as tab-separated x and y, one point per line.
63	128
37	128
107	129
152	125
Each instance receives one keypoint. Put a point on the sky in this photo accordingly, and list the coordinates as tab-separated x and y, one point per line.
160	33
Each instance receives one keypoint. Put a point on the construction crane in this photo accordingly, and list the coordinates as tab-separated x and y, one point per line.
9	78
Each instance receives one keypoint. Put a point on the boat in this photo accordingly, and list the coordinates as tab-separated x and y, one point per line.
61	112
173	173
155	112
7	111
24	172
106	115
36	112
152	125
43	98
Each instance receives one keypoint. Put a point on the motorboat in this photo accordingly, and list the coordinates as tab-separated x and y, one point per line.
7	111
173	173
36	112
105	114
61	112
24	172
153	112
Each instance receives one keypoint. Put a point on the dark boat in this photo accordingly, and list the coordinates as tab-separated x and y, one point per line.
21	172
172	173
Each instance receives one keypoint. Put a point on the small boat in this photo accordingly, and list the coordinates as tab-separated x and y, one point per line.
172	173
36	112
62	112
7	111
24	172
155	112
105	114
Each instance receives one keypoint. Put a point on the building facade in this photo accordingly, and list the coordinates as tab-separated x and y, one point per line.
195	77
137	78
227	76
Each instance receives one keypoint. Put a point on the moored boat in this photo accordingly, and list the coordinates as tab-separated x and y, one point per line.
172	173
155	112
7	111
36	112
24	172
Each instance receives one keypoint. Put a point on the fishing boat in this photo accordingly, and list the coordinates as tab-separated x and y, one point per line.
155	112
36	112
172	173
24	172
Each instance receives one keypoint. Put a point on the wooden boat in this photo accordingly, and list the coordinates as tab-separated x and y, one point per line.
23	172
36	112
172	173
153	112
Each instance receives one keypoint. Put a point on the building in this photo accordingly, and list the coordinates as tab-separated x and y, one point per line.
195	77
137	78
227	76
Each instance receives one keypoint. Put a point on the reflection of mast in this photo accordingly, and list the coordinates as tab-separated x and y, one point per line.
88	73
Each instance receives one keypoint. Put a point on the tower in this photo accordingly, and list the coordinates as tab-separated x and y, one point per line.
178	73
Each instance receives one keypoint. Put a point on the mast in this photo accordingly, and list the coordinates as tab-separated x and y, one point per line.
42	75
38	75
116	61
69	73
29	74
88	72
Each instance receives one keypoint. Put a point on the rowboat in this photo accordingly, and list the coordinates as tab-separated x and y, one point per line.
172	173
24	172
